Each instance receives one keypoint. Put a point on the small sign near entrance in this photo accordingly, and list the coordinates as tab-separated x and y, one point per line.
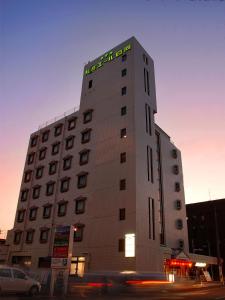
59	262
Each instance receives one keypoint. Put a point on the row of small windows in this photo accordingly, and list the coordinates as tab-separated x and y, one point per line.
65	185
58	129
50	186
80	204
85	138
67	163
44	235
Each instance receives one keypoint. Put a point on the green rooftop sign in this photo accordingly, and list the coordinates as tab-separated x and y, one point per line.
109	56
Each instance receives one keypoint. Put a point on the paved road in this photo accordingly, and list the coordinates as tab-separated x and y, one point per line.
216	293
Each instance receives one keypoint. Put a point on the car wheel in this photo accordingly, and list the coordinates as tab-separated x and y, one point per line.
33	290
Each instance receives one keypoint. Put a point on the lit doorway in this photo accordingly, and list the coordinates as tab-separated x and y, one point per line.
77	266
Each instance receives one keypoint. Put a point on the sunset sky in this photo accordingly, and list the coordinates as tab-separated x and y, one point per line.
44	45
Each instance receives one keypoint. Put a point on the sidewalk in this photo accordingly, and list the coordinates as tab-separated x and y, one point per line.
189	285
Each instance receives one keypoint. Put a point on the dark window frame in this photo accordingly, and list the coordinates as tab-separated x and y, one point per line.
33	210
82	155
47	215
42	153
36	191
67	162
60	205
30	236
30	158
124	72
64	181
17	237
123	184
72	123
69	142
123	91
24	195
78	228
58	129
42	232
123	133
123	157
55	148
51	165
20	215
45	136
39	172
82	177
122	214
33	141
50	188
77	202
86	136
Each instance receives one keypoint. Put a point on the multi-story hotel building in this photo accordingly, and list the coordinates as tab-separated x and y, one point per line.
107	169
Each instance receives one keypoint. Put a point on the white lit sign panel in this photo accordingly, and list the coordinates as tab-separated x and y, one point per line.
130	245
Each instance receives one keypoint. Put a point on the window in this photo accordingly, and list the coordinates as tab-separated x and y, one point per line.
176	169
148	119
123	133
58	129
4	272
47	211
33	213
85	136
62	207
20	216
19	275
33	141
124	72
36	191
122	214
84	156
50	188
80	205
124	57
146	81
17	237
45	136
178	204
72	123
67	162
177	187
44	235
30	236
82	180
27	176
174	153
121	245
123	184
69	142
90	84
24	195
151	218
123	111
123	90
39	172
65	183
30	158
179	224
123	157
42	153
181	244
78	232
150	164
55	148
52	167
44	262
130	245
87	116
145	59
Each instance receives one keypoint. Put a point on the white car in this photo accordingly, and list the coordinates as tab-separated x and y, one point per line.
14	280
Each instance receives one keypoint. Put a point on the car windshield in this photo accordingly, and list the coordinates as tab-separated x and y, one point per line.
19	274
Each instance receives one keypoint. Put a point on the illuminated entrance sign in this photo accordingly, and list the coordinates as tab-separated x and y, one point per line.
109	56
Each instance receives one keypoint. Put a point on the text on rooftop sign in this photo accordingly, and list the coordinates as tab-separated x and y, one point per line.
109	56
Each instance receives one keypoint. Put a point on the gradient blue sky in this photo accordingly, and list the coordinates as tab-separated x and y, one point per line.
44	45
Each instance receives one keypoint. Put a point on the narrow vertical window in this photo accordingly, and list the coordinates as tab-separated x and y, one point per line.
149	120
90	84
146	117
151	164
149	219
148	162
153	219
147	79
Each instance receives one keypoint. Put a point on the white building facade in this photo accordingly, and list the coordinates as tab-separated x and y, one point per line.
107	169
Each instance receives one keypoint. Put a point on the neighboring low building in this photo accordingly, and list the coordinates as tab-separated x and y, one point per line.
206	223
107	169
4	248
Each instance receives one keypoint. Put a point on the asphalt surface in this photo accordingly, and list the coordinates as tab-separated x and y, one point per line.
205	293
